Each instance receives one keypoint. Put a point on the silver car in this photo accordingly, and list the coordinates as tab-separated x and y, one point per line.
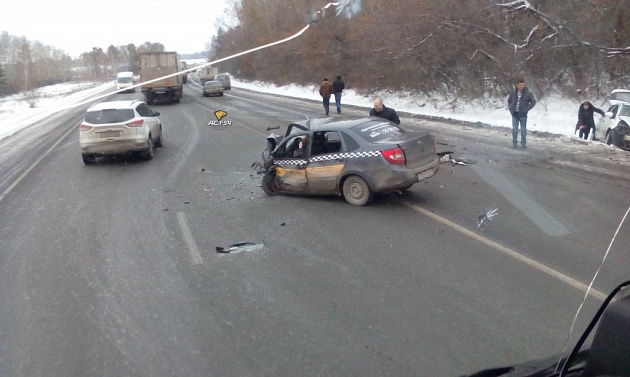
224	79
212	87
120	127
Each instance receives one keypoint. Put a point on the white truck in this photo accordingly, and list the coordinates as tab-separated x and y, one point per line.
125	80
154	65
207	73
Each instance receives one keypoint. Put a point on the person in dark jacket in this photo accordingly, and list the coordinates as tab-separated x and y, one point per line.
380	110
326	90
585	119
338	87
520	101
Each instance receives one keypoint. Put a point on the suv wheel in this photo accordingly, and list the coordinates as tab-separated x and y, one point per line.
88	159
149	152
160	141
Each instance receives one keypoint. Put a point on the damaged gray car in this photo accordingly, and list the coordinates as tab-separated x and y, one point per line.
356	158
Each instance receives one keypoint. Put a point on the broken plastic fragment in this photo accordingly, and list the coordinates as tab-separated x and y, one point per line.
240	247
486	215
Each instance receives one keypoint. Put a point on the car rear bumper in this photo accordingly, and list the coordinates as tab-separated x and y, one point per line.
114	147
394	177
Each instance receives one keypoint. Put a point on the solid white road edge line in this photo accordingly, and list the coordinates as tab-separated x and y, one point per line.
27	171
507	251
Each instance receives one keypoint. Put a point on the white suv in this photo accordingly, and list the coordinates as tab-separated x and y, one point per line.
119	127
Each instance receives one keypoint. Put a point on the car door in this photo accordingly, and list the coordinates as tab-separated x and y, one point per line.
326	161
290	160
150	119
606	123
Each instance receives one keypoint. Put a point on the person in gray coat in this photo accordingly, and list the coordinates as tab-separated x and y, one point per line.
520	101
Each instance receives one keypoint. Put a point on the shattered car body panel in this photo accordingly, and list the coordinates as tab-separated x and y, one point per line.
316	156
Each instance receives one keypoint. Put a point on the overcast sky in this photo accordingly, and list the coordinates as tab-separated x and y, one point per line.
76	26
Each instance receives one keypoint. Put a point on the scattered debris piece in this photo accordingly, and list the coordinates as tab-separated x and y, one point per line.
486	215
273	128
240	247
441	154
186	202
202	169
283	224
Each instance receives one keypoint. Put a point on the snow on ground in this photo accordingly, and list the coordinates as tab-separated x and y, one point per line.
24	109
555	115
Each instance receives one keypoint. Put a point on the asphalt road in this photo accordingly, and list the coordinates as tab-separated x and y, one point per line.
111	269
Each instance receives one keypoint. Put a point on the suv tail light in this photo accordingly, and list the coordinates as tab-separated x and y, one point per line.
135	123
84	127
394	156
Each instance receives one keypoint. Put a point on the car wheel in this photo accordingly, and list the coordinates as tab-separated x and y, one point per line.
269	185
221	94
160	141
88	159
205	95
608	137
356	191
149	152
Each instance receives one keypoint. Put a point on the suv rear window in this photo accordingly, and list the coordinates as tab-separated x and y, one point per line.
376	131
621	96
109	116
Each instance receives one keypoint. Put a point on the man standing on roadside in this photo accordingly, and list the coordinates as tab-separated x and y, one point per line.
338	87
325	90
520	101
380	110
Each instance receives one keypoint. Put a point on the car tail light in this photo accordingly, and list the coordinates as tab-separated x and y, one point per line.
84	127
135	123
394	156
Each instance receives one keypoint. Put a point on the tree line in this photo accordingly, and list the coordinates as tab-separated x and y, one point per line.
26	65
439	47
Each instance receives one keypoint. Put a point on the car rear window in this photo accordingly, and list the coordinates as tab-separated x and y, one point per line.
621	96
109	116
376	131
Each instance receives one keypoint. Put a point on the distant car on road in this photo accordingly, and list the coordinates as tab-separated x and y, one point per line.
120	127
225	80
212	88
614	128
351	157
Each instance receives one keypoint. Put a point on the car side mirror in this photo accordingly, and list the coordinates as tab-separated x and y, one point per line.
156	113
609	114
272	141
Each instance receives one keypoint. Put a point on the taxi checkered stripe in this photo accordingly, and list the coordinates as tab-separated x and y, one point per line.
292	162
345	155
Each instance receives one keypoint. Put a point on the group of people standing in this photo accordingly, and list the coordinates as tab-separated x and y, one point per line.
327	89
520	101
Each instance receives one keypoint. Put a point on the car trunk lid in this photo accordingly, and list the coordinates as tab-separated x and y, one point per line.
419	148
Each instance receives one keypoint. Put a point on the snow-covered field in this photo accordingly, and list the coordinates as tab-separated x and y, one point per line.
554	115
27	108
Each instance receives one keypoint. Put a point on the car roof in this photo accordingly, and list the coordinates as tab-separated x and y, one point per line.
619	97
335	124
127	104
